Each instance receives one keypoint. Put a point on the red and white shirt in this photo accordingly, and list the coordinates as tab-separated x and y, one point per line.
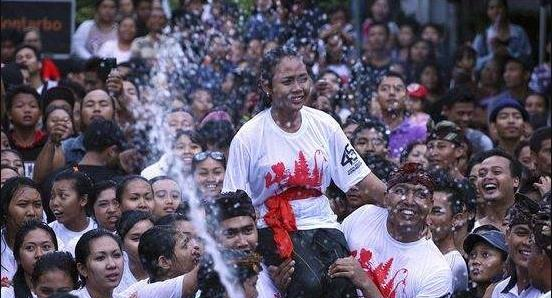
269	163
400	270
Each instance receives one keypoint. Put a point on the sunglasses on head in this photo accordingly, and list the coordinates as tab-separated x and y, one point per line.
216	155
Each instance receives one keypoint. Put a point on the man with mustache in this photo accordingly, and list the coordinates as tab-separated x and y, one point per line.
390	244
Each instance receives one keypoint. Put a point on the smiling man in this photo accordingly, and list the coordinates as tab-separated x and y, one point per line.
498	178
390	243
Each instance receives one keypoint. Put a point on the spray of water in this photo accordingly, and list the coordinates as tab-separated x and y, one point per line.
171	73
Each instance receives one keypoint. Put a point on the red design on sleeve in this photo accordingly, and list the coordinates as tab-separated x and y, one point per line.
387	285
302	184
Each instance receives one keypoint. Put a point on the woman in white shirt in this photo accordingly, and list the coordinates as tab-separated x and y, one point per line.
33	240
99	257
120	48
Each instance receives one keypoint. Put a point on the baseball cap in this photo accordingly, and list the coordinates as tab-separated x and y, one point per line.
495	239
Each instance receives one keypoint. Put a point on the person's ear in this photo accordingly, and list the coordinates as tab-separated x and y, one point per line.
164	262
83	200
515	182
459	151
266	87
82	270
493	132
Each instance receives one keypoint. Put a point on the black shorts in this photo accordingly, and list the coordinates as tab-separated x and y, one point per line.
313	251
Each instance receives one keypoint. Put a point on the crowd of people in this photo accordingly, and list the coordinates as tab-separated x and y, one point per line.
297	164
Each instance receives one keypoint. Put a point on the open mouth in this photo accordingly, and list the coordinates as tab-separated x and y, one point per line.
490	187
524	252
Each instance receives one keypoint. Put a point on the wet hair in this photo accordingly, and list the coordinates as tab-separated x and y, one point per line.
171	219
216	133
9	190
121	187
268	66
21	89
82	183
390	74
538	137
515	166
194	136
32	48
102	134
130	218
406	152
98	189
455	194
82	250
373	123
154	243
58	260
21	289
195	162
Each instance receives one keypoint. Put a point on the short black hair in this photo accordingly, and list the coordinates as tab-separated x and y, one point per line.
32	48
464	51
539	135
171	219
102	134
122	185
515	166
390	74
373	123
98	188
435	26
456	95
383	25
21	89
218	133
154	243
445	183
59	92
511	59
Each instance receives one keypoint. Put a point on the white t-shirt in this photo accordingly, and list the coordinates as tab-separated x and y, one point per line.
459	271
170	288
111	49
9	265
513	292
400	270
83	293
266	161
70	237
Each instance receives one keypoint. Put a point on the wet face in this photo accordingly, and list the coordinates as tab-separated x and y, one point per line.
167	196
32	38
52	282
96	105
443	154
518	237
441	216
127	30
370	141
60	117
185	149
430	78
238	233
418	155
103	269
419	52
535	104
290	85
137	195
35	244
494	179
543	157
66	204
461	113
526	159
25	111
13	160
107	11
25	205
180	120
509	124
107	210
484	262
187	254
409	205
391	94
514	75
209	175
132	239
28	60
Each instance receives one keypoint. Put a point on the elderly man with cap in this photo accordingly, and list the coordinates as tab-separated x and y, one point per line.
487	251
507	123
518	238
390	242
540	260
446	145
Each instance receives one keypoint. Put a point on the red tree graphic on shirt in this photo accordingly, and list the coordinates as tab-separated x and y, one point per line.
301	175
380	274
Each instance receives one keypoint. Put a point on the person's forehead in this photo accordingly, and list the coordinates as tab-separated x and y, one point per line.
290	64
413	185
25	51
509	110
237	222
24	97
96	95
495	160
391	80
